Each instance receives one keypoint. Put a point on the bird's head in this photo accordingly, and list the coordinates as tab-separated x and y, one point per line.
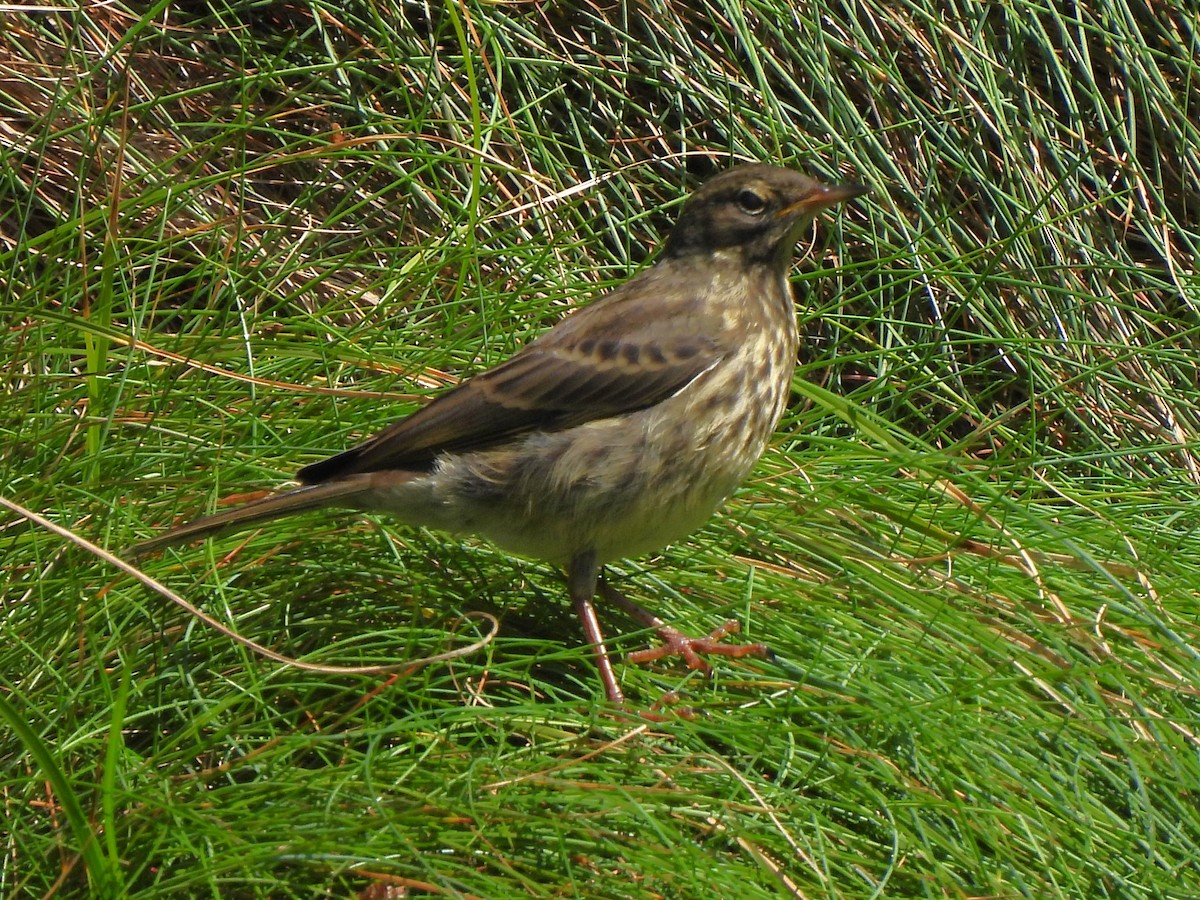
759	210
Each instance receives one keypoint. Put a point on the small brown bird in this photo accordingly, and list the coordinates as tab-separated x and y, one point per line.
616	432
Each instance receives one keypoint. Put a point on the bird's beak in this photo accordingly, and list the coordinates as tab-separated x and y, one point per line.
823	196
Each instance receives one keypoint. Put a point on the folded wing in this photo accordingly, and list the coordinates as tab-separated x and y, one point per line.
566	378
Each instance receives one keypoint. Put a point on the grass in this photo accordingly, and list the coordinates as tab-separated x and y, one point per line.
235	238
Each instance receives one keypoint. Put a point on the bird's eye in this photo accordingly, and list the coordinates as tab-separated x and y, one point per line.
751	202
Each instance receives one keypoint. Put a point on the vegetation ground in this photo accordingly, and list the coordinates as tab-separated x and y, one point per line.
235	237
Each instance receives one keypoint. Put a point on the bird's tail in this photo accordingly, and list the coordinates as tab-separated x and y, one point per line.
333	493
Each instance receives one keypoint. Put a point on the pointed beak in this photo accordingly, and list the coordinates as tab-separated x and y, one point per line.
823	196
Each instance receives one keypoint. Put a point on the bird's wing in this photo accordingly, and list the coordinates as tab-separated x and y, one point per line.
600	362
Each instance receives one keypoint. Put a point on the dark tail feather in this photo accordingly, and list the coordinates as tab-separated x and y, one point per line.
334	493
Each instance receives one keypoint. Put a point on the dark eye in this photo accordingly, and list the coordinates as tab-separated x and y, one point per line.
751	202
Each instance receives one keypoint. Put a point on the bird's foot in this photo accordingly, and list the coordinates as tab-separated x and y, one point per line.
676	643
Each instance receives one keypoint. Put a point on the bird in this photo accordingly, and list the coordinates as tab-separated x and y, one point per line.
616	432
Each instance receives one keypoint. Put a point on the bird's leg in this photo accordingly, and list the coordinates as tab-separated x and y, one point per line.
582	574
675	642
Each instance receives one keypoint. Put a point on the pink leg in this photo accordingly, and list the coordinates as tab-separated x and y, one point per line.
582	574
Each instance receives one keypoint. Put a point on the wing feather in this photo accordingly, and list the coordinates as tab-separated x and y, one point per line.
606	359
